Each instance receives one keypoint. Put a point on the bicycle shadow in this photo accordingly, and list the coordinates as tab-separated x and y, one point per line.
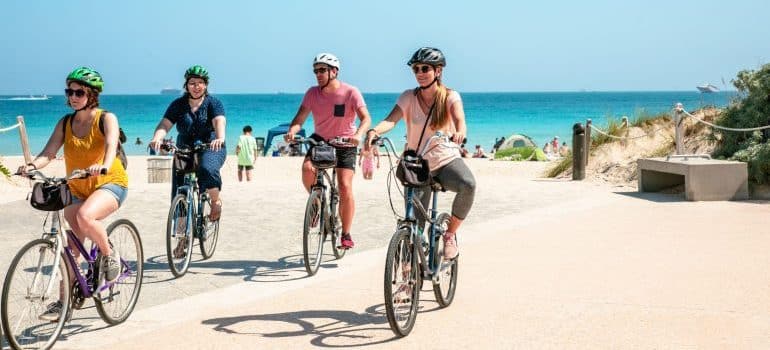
363	329
348	328
287	268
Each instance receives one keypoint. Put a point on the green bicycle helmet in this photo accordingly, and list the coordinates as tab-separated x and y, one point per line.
87	76
197	71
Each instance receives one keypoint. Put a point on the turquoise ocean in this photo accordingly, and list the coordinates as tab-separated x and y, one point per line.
540	115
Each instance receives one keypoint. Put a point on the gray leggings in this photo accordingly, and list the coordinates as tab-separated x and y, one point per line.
455	177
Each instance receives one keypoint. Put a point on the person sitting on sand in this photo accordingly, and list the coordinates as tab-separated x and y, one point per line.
479	153
564	150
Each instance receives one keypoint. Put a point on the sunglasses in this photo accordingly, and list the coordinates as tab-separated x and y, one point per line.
320	70
78	92
424	69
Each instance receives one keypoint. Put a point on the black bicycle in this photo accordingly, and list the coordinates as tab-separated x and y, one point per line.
322	217
415	254
189	215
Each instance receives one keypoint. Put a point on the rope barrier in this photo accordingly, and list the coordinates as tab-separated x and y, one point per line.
11	127
722	127
624	137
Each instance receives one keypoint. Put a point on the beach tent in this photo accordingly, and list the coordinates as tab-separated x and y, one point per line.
517	140
278	131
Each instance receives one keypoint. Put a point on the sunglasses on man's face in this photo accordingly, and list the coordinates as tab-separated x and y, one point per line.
321	70
78	92
423	69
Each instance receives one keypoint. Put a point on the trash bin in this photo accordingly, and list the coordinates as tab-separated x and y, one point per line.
158	169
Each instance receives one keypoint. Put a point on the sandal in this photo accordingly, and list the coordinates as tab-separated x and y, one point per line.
216	210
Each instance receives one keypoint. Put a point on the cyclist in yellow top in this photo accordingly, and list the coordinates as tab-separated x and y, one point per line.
89	148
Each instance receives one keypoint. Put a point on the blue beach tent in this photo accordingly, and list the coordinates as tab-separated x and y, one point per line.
278	131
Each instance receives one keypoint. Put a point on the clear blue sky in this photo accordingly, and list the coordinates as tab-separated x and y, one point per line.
141	46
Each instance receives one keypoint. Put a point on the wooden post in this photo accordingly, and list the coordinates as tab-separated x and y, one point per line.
624	141
24	142
578	152
588	142
678	142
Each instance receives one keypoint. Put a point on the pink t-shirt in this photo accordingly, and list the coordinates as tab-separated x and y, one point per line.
415	117
437	155
334	114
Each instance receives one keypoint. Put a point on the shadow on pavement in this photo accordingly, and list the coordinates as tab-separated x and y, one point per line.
331	328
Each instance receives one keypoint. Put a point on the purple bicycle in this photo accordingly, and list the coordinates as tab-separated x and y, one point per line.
46	276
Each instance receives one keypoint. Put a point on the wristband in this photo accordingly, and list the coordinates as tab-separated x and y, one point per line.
367	131
32	165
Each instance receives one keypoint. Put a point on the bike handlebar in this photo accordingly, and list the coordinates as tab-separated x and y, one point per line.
76	174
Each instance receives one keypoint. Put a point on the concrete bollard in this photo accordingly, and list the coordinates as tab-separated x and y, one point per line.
578	152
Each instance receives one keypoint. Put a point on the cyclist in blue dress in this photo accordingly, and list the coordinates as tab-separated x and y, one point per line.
199	118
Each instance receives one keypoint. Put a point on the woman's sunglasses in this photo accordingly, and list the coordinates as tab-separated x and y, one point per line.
424	69
320	70
78	93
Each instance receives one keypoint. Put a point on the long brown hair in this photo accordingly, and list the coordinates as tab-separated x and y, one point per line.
440	116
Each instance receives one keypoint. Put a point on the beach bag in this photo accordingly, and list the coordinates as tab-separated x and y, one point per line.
413	170
186	162
50	197
323	156
121	153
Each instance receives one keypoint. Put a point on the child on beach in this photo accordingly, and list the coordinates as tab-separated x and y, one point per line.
366	161
246	150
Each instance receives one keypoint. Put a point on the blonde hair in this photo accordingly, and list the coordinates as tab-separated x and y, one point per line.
440	115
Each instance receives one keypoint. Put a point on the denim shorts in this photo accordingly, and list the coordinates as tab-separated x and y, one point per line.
117	191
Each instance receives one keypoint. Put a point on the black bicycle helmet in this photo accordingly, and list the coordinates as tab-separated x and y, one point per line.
428	55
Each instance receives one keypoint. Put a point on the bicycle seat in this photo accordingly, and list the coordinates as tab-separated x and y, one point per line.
436	185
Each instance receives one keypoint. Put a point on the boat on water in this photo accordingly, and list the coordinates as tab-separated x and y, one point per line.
707	88
170	91
29	98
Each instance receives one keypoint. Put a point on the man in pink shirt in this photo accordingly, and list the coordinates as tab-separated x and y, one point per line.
334	106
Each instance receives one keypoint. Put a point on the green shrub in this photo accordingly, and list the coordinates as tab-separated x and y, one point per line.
750	109
4	170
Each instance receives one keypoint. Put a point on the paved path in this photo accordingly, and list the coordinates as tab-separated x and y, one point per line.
612	270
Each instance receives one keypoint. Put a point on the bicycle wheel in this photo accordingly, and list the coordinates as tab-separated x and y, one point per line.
336	234
402	283
116	303
179	239
209	231
445	281
26	297
313	233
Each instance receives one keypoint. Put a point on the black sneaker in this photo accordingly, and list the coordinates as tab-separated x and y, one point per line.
52	312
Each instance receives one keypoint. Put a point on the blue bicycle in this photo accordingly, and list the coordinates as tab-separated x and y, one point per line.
188	217
415	254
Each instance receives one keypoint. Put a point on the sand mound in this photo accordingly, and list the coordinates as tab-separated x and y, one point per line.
615	162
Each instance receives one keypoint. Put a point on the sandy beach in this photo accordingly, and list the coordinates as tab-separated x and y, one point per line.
546	264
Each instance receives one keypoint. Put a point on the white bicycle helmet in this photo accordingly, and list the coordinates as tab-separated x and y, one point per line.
328	59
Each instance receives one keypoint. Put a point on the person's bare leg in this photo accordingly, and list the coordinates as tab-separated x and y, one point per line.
347	203
308	174
248	175
216	204
96	207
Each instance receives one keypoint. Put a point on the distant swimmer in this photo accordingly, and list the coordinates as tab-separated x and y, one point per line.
138	141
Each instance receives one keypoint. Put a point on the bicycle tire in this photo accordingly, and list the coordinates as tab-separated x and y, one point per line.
179	210
210	231
45	333
313	232
339	253
402	314
445	283
121	297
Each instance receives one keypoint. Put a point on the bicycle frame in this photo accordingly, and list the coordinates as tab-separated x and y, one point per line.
429	262
190	189
334	198
62	249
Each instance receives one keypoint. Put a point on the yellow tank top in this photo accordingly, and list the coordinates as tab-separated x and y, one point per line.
80	153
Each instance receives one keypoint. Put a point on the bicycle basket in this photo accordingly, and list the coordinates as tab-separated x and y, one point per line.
50	197
323	156
186	162
412	170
